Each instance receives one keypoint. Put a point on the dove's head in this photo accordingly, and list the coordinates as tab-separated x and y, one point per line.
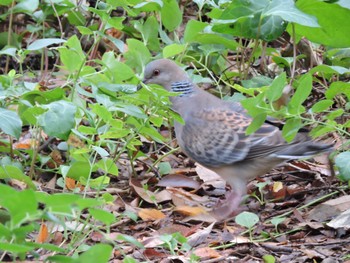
164	72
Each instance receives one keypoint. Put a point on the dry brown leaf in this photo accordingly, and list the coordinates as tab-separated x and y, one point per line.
181	197
207	175
147	195
200	236
190	211
150	214
57	238
25	144
43	234
330	209
17	184
71	184
206	253
75	141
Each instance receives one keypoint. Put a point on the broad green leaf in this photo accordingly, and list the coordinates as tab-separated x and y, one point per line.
79	170
333	19
44	42
287	10
171	14
72	55
338	88
7	50
13	172
343	164
149	32
247	219
15	248
96	183
172	50
10	123
59	203
105	217
102	252
196	32
137	55
26	6
20	205
59	119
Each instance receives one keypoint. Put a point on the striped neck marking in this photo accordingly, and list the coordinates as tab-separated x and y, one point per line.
182	86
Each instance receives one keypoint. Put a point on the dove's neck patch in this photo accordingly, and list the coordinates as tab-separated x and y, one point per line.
184	87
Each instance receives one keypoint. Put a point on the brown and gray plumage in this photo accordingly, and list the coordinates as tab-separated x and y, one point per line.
214	134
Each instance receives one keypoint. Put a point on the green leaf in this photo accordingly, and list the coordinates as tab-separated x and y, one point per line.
171	14
108	166
13	172
72	55
343	164
287	10
291	128
269	259
137	55
59	119
15	248
44	42
79	169
164	168
334	30
10	123
105	217
195	33
20	205
338	88
102	252
149	32
258	120
321	106
303	91
247	219
275	91
173	49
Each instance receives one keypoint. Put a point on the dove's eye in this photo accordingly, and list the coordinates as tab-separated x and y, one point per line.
156	72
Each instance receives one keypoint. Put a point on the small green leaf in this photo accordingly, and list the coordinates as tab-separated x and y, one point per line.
269	259
130	240
258	120
164	168
108	166
342	161
247	219
303	91
274	92
291	128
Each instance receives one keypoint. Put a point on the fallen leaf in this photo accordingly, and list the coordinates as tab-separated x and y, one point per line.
206	253
43	234
200	236
147	195
178	180
150	214
190	211
330	209
341	221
